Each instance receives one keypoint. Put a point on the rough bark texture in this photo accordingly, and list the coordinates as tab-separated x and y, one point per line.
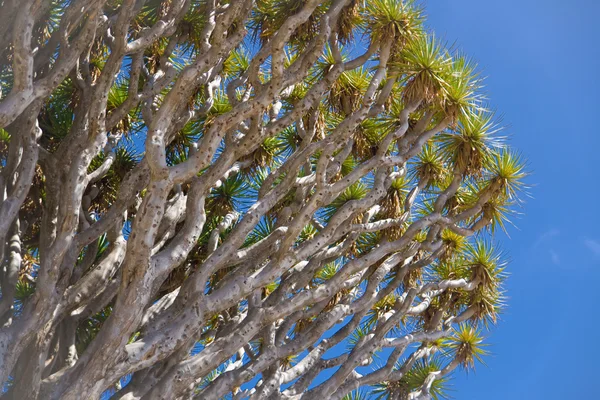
204	198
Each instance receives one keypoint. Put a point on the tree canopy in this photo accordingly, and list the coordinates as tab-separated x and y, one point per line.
257	199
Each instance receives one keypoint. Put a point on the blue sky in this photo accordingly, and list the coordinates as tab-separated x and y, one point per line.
542	60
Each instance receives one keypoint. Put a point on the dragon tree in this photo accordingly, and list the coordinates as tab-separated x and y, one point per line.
244	199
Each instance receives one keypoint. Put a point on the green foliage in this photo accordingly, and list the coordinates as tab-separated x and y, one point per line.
423	65
413	380
356	395
230	196
261	231
396	21
24	290
379	309
429	168
466	346
124	159
89	328
269	16
506	174
354	192
469	149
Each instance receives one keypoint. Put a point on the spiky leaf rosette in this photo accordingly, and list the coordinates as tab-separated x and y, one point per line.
470	147
466	346
396	21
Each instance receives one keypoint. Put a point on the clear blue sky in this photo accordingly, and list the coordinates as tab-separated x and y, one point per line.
542	62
